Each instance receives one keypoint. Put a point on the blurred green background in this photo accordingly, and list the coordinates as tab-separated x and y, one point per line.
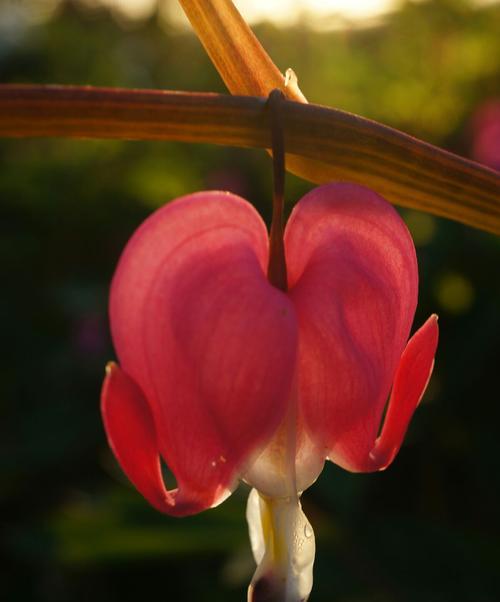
73	529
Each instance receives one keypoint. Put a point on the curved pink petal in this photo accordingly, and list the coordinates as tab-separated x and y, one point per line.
410	382
353	282
208	340
132	437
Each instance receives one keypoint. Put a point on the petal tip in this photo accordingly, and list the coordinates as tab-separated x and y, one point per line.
110	368
412	377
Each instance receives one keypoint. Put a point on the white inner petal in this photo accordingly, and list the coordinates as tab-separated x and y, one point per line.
255	530
268	471
290	462
284	547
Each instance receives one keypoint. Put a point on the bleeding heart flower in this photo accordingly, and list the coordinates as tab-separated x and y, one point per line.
226	377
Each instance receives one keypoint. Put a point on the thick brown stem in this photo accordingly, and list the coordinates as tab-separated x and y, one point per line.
237	54
341	146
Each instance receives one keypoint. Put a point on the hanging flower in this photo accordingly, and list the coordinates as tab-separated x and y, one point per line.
226	377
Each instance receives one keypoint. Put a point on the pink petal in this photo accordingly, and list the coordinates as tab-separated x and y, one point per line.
353	281
412	376
204	335
132	437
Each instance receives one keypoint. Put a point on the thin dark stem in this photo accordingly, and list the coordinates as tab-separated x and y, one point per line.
276	271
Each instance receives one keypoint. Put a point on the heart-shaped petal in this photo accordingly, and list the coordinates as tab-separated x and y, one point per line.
210	343
353	282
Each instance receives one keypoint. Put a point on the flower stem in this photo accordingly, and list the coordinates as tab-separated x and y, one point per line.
276	270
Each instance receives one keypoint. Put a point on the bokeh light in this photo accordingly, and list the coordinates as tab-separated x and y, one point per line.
455	293
423	227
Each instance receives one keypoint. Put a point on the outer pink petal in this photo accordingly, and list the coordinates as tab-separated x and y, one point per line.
412	376
132	436
353	280
200	330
